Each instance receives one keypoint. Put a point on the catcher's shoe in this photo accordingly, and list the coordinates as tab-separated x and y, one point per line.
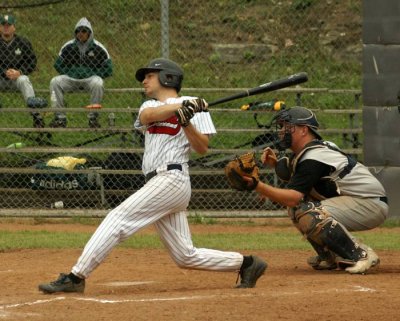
250	275
318	263
371	260
62	284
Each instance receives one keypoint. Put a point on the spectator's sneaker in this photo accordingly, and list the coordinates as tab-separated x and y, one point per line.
370	260
62	284
38	121
58	123
94	123
36	102
250	275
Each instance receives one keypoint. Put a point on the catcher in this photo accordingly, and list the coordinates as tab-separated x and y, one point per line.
328	193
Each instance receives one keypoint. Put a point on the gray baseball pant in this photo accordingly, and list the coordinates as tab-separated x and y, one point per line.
22	84
63	84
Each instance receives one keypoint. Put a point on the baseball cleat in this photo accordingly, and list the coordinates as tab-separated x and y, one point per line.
318	263
364	264
62	284
250	275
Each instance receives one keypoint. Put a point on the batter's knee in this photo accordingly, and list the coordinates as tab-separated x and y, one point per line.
183	260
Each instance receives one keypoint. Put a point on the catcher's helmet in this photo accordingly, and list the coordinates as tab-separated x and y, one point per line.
299	116
294	116
170	73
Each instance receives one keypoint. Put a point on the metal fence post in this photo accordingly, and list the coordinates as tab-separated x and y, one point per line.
165	28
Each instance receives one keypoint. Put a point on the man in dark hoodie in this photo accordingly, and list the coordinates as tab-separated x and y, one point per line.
83	63
17	60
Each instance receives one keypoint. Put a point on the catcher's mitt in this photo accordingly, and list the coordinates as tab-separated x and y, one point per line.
243	166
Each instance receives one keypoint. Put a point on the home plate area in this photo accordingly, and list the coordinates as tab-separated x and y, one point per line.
145	284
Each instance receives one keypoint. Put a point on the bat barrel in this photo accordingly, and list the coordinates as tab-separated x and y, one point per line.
267	87
229	98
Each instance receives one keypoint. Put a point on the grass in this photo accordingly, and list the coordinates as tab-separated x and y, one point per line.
286	238
387	240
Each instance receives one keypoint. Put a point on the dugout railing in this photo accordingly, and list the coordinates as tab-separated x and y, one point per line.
211	196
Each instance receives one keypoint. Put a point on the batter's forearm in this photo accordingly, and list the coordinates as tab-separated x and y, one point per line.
198	141
150	115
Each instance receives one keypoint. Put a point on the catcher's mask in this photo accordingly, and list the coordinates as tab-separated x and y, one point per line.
286	120
170	73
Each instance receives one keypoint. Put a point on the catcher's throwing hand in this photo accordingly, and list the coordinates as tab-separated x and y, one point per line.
268	157
184	114
198	105
243	173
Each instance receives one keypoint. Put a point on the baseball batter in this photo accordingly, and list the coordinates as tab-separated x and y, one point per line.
328	193
173	126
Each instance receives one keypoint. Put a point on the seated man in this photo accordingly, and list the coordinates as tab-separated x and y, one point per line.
17	60
83	63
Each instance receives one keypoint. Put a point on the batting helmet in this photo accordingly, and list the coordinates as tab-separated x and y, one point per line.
170	73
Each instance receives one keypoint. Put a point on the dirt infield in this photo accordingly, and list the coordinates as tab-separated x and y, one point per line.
146	285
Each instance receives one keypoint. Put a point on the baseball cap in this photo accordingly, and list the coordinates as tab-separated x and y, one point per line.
300	116
7	19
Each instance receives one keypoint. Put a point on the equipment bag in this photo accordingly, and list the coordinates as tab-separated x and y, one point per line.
61	181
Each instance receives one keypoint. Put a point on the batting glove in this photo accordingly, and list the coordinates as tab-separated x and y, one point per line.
198	105
184	114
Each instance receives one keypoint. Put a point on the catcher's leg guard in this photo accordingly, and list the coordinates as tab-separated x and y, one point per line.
309	219
325	260
338	240
325	232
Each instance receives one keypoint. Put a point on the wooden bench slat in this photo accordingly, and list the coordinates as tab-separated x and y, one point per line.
69	150
31	170
230	89
136	110
109	130
68	110
124	130
82	150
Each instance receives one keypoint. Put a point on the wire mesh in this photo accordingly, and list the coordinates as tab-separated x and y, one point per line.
223	47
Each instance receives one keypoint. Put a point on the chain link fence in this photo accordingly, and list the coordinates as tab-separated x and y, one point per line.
223	46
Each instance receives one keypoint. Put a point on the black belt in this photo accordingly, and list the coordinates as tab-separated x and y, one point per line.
383	199
170	167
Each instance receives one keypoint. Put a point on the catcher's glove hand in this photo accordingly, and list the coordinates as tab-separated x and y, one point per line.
240	168
184	114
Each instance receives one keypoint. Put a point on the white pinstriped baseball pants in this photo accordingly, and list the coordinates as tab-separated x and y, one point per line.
163	201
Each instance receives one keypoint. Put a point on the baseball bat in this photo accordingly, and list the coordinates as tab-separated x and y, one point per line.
264	88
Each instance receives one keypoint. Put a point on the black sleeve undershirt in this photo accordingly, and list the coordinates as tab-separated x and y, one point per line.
308	173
